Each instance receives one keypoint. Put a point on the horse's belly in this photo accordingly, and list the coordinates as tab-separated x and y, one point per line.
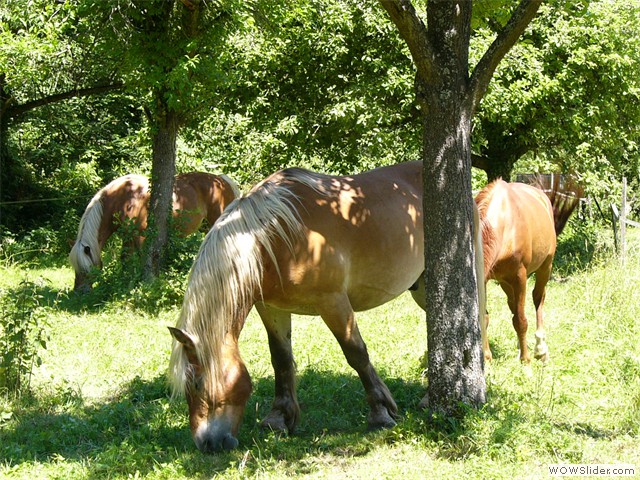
367	298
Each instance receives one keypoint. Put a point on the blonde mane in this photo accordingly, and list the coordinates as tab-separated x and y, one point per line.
234	186
88	236
89	228
226	276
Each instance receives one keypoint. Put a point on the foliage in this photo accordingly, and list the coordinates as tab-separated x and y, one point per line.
322	84
325	85
577	245
43	54
566	98
22	337
38	245
121	280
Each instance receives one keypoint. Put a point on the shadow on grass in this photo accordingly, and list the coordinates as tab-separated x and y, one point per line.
140	430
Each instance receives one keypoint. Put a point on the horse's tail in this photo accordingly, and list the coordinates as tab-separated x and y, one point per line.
234	186
480	274
565	198
488	238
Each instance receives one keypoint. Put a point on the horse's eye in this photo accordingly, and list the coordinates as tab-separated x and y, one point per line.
87	250
198	384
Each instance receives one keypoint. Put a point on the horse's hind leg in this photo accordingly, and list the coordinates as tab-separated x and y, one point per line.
541	351
339	317
516	290
285	411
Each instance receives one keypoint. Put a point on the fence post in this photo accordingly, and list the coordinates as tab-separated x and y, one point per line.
623	221
614	224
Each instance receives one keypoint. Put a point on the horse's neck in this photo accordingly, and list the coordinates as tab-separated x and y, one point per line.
110	223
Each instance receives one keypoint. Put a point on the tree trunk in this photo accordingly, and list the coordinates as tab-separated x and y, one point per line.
163	171
499	167
449	96
456	365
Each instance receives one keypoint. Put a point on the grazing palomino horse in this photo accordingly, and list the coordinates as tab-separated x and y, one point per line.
304	243
196	196
519	228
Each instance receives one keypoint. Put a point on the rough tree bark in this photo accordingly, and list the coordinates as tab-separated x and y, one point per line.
448	97
163	170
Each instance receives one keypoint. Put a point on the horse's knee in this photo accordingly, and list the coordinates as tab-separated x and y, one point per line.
520	324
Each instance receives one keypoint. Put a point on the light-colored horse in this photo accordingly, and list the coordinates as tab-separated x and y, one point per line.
196	196
304	243
519	230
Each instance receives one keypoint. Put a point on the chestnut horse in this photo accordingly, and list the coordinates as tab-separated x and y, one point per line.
304	243
196	196
519	229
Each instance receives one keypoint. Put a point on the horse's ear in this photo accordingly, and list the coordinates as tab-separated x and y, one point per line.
183	337
188	342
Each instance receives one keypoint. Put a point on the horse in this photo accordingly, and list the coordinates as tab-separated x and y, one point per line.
520	224
298	243
196	196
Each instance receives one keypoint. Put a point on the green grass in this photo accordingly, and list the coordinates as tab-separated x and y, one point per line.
100	408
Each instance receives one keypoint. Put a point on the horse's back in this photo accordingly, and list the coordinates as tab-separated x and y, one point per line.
126	198
522	219
363	234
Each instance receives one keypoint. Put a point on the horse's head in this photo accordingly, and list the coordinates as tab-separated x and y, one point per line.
83	259
216	407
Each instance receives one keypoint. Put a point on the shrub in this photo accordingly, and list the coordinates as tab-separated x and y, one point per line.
22	335
580	245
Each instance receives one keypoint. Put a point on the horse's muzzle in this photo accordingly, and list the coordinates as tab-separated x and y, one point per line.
213	445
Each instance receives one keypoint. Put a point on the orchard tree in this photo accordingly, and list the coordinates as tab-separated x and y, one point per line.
449	93
324	84
568	94
171	56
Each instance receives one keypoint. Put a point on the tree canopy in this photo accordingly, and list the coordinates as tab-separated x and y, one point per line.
324	84
566	97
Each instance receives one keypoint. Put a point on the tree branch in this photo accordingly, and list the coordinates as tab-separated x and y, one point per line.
509	35
480	162
78	92
414	32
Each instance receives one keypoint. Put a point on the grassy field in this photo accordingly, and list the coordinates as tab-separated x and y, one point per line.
100	407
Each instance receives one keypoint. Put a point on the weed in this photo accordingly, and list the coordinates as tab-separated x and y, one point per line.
22	328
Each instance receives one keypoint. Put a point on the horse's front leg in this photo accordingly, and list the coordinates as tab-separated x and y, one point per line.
337	313
285	411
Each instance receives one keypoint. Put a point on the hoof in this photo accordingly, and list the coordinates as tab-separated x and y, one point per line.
381	425
543	357
381	420
274	422
541	352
